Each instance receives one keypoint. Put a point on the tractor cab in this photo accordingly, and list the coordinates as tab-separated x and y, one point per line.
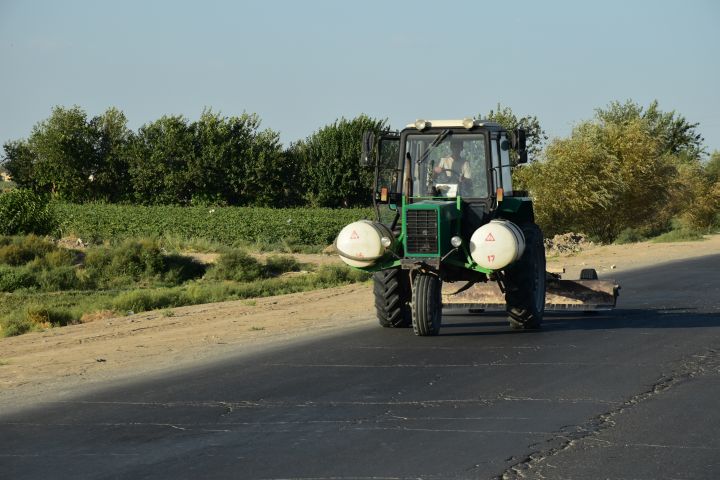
467	161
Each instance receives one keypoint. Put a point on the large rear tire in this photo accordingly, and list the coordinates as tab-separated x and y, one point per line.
392	298
426	305
525	282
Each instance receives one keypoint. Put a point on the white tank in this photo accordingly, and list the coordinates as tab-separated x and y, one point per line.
358	244
497	244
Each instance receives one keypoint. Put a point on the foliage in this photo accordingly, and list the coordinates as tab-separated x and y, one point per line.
73	157
23	249
535	135
19	162
629	235
712	167
238	266
602	180
111	151
679	235
226	225
23	211
329	162
674	133
159	161
134	276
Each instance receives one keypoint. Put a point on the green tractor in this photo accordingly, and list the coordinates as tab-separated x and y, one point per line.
450	231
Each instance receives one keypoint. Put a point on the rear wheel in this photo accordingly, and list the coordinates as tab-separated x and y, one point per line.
525	282
392	298
426	305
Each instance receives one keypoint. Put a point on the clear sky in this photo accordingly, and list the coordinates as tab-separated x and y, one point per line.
302	64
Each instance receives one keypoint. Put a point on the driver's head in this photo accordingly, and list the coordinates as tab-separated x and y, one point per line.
456	147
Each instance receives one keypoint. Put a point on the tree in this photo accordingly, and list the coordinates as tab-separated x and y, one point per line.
158	161
72	157
329	159
64	154
603	179
110	176
712	167
675	134
237	163
535	135
19	161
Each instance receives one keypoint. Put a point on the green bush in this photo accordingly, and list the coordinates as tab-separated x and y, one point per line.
238	266
339	274
629	235
143	300
130	261
22	250
36	317
279	264
179	269
15	278
23	212
679	235
58	278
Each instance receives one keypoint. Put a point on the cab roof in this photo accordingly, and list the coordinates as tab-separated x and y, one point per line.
422	124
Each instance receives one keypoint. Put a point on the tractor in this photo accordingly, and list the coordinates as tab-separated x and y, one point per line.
450	231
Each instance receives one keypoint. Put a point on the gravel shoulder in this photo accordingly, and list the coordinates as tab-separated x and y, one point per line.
60	361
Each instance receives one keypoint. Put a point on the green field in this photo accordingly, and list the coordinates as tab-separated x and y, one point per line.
231	226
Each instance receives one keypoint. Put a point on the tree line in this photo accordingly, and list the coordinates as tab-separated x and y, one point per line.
214	160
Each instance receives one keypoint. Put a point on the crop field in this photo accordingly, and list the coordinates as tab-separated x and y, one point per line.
225	225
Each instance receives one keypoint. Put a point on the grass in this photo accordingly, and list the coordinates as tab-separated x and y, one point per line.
44	286
679	235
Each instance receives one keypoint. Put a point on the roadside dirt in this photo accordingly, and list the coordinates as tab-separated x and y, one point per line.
64	359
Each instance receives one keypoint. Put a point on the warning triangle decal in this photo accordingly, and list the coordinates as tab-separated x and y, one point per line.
354	235
490	237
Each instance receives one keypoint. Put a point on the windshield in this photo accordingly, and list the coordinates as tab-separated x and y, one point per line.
454	166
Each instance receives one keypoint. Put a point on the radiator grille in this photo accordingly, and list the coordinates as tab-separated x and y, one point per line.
422	231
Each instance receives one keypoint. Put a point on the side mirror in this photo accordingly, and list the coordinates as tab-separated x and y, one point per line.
520	145
368	147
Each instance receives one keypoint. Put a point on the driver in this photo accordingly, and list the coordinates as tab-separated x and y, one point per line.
453	167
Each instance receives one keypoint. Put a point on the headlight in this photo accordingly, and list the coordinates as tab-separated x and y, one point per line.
421	124
468	123
456	241
385	242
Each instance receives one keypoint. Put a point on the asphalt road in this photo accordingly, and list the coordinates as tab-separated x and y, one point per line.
630	394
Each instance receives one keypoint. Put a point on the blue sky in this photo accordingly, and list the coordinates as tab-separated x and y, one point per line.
302	64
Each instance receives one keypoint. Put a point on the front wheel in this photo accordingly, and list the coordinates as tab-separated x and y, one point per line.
426	304
525	282
392	298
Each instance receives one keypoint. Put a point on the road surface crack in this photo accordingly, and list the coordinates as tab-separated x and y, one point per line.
570	436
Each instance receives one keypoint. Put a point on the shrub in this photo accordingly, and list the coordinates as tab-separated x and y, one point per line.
279	264
130	261
21	250
23	212
338	274
58	278
629	235
15	278
143	300
236	265
179	269
34	317
679	235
